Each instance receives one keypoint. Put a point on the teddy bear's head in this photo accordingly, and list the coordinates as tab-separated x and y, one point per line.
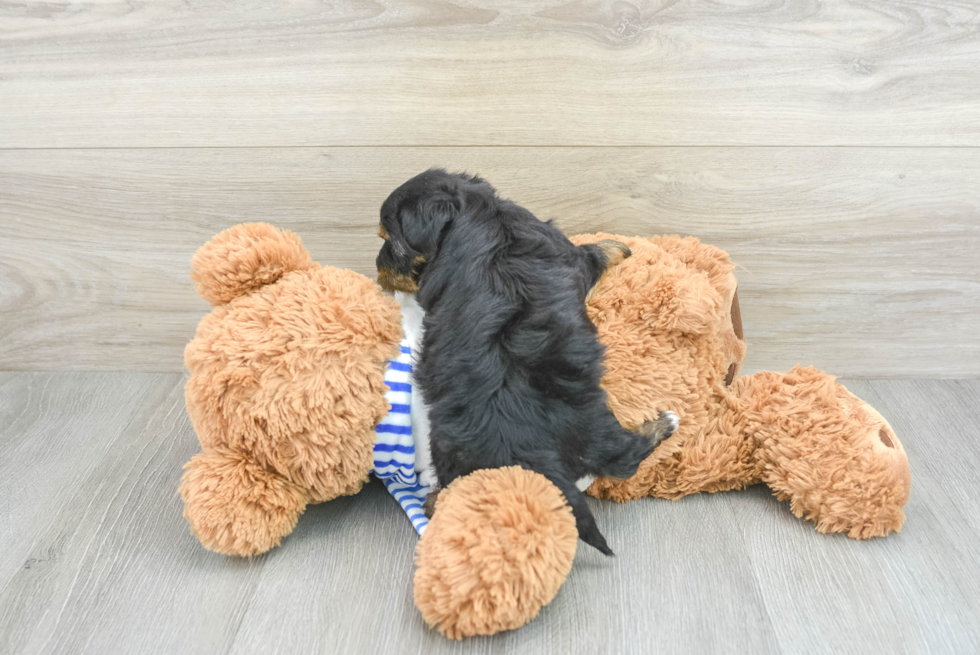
286	382
665	317
669	320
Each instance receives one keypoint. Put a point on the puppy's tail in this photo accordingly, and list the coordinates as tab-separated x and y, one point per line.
588	531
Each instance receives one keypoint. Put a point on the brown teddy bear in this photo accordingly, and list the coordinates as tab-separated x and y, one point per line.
288	391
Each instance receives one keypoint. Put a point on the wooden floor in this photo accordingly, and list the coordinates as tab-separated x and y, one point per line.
832	147
96	557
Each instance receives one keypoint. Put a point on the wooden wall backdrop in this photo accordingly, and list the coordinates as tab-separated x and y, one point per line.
832	147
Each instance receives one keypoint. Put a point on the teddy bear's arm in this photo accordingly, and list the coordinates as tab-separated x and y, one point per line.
237	507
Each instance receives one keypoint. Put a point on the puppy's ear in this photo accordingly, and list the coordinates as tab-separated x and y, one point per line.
423	226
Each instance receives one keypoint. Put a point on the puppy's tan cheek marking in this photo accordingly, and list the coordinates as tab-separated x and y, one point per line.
382	232
392	281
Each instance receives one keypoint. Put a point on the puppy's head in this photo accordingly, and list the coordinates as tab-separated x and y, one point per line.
413	220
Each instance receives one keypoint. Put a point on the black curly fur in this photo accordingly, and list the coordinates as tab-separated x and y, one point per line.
510	363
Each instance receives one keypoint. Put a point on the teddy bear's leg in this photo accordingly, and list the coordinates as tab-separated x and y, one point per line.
496	551
709	452
832	455
237	507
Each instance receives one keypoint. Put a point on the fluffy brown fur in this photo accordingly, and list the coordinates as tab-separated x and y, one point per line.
287	385
667	309
510	525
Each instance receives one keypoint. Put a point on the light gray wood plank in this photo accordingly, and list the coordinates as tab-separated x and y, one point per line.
53	430
945	418
127	577
98	557
847	255
474	72
103	562
638	602
917	591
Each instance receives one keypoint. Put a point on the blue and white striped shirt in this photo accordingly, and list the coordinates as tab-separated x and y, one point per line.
396	461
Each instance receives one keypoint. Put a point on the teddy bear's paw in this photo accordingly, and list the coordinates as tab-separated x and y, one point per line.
495	553
661	428
237	507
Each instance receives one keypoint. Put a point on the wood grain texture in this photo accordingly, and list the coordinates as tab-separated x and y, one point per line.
879	595
474	72
861	261
97	558
93	561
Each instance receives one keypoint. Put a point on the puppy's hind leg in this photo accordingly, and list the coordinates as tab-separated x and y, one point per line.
599	257
615	251
660	428
616	452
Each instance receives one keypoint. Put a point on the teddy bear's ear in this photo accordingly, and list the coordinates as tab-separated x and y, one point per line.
244	258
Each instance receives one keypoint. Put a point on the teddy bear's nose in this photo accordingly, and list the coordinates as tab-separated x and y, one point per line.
885	438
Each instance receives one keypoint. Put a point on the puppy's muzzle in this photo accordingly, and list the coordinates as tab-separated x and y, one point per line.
391	280
394	272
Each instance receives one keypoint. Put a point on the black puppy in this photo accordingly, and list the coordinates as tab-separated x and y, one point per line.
510	363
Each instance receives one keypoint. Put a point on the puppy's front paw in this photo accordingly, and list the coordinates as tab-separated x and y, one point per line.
615	251
429	506
660	428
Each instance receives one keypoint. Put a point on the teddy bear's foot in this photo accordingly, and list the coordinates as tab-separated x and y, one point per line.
495	553
237	507
831	455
